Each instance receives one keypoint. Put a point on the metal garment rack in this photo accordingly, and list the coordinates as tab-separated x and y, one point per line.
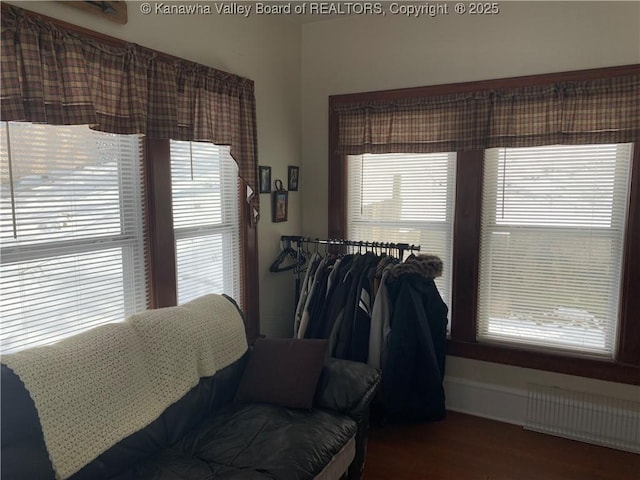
401	248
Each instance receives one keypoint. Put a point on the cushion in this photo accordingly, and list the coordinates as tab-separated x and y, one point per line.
283	371
252	442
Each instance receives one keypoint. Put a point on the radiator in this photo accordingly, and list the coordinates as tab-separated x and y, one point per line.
585	417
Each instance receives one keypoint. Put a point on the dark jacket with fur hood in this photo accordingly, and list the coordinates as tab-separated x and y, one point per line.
413	374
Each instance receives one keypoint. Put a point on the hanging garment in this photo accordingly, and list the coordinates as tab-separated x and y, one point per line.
317	288
318	300
304	291
359	348
380	323
316	323
343	340
413	373
336	296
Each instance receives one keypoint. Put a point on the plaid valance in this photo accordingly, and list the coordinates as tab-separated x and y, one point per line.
54	76
605	110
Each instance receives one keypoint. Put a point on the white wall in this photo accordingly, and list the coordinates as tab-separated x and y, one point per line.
361	54
264	49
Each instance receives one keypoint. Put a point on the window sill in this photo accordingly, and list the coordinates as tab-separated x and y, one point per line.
552	362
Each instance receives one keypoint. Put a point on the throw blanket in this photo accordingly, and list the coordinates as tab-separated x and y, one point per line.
94	389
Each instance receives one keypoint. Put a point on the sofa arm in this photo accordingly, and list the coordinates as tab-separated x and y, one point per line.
347	387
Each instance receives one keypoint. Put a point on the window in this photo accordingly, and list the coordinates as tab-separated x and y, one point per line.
204	183
404	198
544	263
73	247
551	246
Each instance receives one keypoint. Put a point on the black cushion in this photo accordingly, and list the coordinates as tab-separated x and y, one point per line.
283	371
346	387
247	442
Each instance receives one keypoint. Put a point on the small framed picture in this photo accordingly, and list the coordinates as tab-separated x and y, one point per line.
294	174
279	206
265	179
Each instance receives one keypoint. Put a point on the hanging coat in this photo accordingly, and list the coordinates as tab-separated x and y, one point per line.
413	373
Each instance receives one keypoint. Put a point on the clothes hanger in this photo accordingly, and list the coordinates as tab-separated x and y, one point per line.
288	254
307	247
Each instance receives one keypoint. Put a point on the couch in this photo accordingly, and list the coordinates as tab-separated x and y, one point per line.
176	393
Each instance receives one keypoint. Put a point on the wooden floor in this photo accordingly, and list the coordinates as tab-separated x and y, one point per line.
463	447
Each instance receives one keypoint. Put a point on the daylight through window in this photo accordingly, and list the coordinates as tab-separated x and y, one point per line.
204	182
404	198
551	246
73	250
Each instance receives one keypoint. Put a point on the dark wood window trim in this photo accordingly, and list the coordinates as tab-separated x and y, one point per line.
249	264
629	334
625	368
466	244
162	248
161	245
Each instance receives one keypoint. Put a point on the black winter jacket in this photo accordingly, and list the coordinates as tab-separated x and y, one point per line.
413	374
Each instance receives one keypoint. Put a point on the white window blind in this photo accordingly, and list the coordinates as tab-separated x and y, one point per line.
72	238
551	246
204	181
404	198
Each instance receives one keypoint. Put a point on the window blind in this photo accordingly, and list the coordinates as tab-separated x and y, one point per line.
404	198
72	237
204	181
551	246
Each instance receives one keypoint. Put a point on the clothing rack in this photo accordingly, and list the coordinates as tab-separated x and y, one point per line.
401	248
370	305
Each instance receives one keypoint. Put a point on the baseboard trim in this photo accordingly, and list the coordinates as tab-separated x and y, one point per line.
486	400
509	405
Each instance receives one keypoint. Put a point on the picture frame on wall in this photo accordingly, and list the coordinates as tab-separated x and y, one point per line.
264	178
279	203
294	177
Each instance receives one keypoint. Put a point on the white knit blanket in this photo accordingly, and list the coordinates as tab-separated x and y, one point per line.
95	389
